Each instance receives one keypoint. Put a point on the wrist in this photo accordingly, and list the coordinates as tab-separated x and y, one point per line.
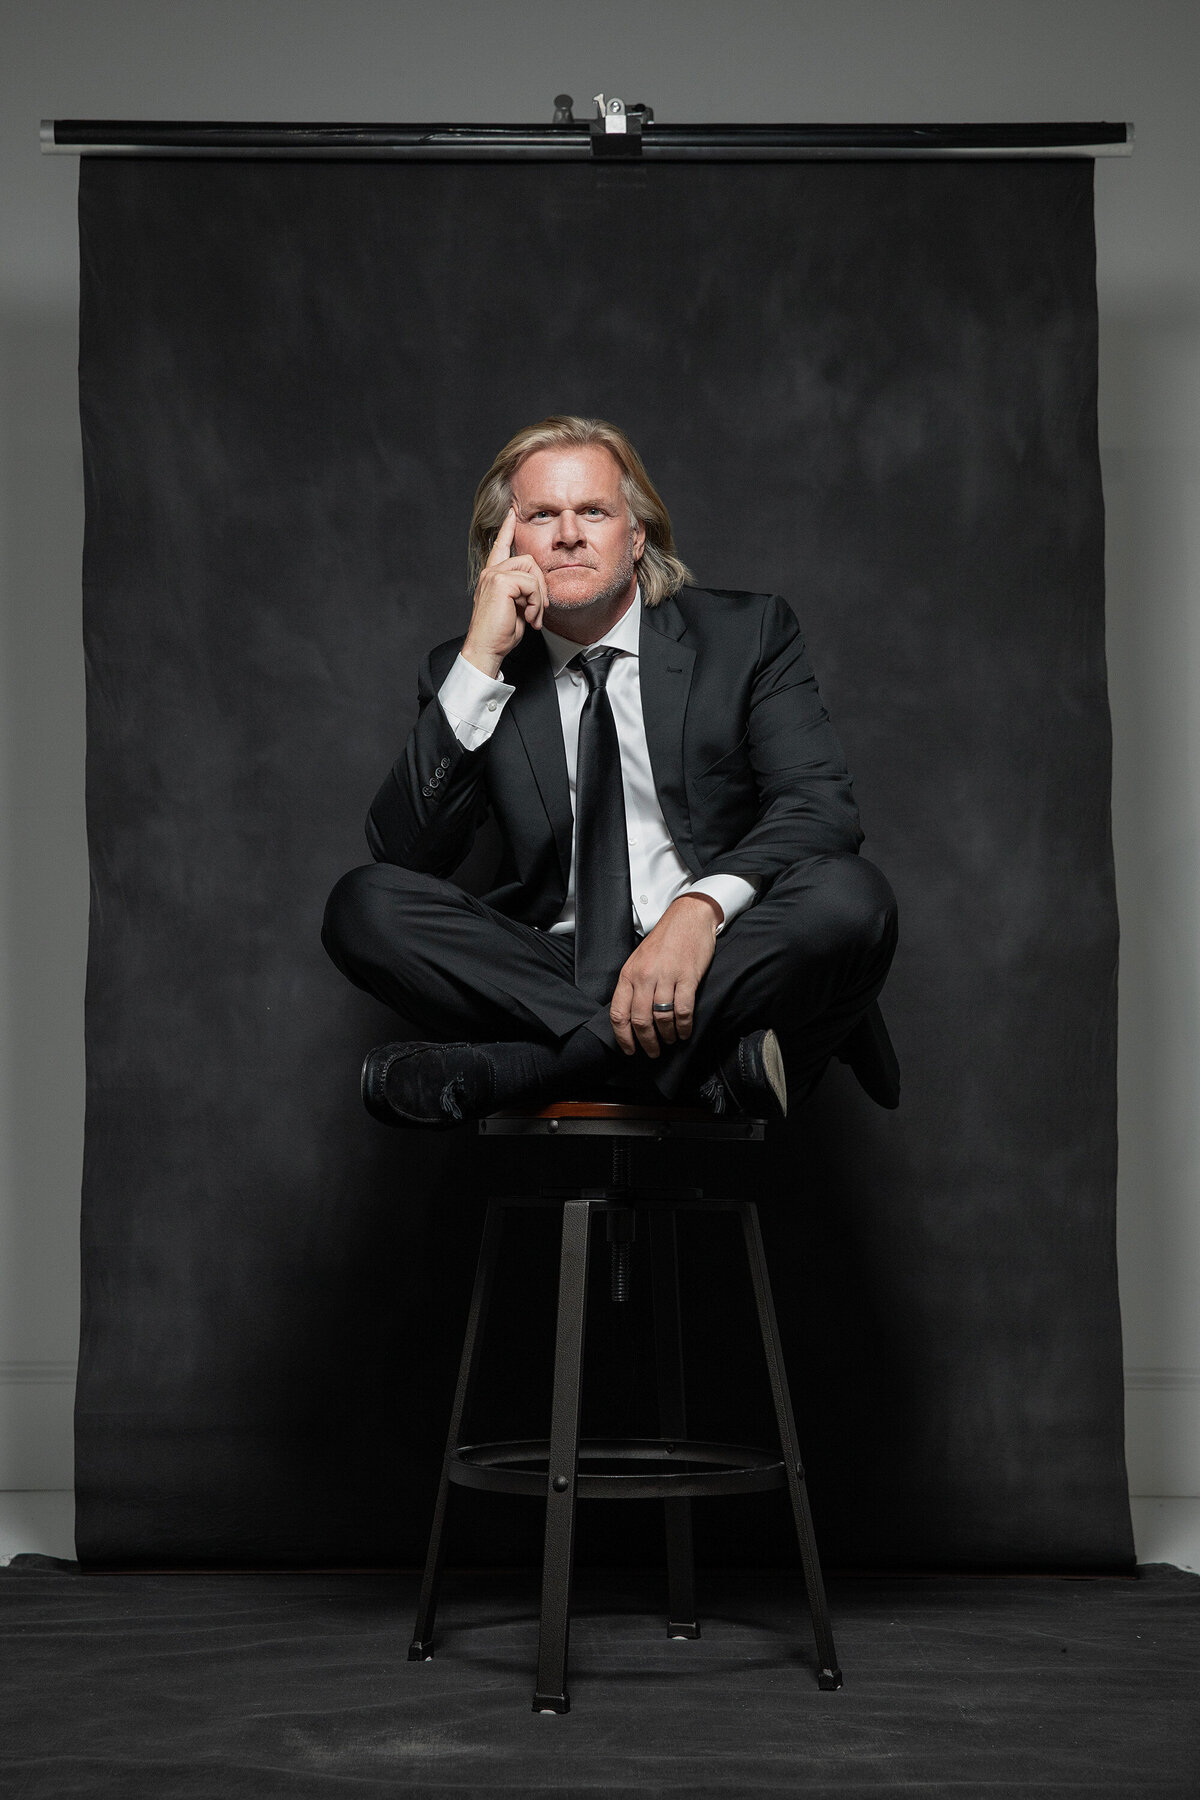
715	910
483	660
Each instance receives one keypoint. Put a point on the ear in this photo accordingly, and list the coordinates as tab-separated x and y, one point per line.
639	540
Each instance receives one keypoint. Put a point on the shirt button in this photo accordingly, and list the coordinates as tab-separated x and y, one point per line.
645	899
632	838
491	705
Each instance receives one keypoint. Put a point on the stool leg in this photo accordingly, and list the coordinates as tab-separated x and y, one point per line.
421	1648
830	1676
550	1694
672	1419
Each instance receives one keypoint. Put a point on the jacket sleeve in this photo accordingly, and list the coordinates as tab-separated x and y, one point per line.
805	801
433	800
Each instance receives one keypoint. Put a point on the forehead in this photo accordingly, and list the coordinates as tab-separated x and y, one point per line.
567	474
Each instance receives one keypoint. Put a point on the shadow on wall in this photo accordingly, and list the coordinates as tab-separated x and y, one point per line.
1147	417
43	885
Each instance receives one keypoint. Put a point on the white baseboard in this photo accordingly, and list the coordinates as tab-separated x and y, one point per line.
37	1524
1162	1429
1166	1529
37	1425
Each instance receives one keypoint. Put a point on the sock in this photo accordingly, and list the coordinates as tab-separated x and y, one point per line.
524	1073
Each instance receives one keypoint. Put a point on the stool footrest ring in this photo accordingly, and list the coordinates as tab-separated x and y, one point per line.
621	1468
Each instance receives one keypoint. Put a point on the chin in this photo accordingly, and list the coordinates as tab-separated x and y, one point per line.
571	596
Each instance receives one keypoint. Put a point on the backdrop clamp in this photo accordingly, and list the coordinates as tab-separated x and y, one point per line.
617	129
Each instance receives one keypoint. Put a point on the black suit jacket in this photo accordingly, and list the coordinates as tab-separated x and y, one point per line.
749	772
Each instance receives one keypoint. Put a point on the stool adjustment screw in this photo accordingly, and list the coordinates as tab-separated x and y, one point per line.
622	1229
560	1484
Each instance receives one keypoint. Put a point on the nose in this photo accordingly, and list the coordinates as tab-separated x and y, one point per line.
570	531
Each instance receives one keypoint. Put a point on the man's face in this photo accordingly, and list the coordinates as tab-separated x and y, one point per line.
572	518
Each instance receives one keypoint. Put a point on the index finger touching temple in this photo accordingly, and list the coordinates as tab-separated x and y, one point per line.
502	546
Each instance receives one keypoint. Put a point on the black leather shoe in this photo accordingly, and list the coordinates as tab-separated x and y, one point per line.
750	1080
870	1054
432	1085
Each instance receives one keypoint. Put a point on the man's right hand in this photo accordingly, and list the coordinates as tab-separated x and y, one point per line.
510	595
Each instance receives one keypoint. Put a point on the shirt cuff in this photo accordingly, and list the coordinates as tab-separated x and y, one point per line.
732	893
473	703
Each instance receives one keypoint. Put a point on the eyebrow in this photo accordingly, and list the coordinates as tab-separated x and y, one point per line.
548	506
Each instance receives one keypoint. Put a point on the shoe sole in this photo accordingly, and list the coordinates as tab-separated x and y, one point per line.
373	1088
773	1070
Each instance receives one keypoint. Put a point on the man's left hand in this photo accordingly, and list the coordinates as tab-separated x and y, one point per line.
668	965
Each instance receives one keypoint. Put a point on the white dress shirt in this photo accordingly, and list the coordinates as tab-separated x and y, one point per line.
473	703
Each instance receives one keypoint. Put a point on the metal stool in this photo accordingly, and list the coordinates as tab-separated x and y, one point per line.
674	1469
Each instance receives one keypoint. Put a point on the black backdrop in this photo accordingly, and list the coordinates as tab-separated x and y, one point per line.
870	386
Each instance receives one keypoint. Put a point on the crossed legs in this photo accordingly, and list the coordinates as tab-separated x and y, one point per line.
807	958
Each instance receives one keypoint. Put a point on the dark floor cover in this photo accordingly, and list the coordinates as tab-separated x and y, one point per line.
237	1685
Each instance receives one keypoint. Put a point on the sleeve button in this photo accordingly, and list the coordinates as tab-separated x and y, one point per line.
491	706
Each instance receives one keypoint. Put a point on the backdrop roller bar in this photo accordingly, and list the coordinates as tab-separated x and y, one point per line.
575	140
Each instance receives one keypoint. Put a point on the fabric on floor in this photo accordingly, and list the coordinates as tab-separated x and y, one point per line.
239	1685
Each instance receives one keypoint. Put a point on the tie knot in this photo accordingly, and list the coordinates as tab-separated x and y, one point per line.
594	666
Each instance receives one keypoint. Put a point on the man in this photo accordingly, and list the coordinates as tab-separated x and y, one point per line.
679	904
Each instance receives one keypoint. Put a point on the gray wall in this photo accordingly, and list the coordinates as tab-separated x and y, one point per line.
813	60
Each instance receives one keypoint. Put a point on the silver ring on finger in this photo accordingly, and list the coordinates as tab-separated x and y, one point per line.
662	1006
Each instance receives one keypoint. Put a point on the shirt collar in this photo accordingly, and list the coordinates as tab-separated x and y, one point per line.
624	635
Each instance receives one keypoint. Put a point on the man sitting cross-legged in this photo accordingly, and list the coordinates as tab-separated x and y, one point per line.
680	905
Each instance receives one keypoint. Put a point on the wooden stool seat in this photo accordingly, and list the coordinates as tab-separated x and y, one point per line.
606	1109
617	1119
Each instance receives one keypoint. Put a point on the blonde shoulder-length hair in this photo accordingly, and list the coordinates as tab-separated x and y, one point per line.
660	571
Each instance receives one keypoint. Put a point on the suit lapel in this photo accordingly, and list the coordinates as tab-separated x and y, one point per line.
665	666
665	673
534	709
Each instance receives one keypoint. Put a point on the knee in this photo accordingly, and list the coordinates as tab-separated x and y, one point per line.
367	905
865	900
852	905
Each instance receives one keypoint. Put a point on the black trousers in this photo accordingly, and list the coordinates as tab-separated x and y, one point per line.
808	958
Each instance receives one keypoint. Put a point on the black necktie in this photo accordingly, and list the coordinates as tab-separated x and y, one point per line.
604	934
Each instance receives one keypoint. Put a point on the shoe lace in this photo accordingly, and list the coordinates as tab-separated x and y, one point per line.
714	1094
453	1088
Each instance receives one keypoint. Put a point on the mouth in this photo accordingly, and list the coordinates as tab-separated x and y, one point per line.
556	567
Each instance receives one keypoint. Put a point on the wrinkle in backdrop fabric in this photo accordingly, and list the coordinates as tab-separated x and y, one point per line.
867	386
